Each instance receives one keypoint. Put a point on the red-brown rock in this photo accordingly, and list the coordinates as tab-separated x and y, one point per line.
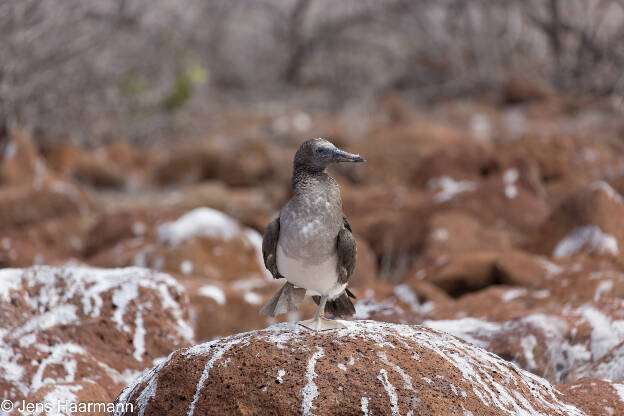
203	242
595	396
466	272
84	398
22	205
71	324
519	268
454	232
558	345
591	221
369	368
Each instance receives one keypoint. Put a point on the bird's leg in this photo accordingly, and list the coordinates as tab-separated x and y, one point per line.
319	322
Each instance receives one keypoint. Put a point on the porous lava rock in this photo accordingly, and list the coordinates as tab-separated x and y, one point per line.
75	323
50	242
84	398
367	368
203	242
559	345
591	220
22	205
244	165
454	232
595	396
519	268
466	272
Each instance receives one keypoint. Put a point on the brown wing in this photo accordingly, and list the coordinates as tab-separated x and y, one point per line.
269	247
347	252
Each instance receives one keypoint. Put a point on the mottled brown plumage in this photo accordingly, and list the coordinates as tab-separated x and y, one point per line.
312	234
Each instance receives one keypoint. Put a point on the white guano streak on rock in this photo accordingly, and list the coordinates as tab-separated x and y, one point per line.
364	403
509	178
483	382
365	308
210	223
280	374
121	299
58	397
216	355
310	391
253	298
512	294
406	377
605	335
10	367
147	394
619	389
56	316
214	292
10	279
607	189
449	187
528	344
468	329
151	377
139	337
500	385
200	222
60	354
603	287
394	399
588	237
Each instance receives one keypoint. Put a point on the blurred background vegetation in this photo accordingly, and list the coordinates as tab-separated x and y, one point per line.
94	71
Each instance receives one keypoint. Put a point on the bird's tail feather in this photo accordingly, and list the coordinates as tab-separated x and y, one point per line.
339	306
285	300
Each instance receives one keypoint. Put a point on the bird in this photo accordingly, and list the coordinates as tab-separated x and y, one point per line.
310	243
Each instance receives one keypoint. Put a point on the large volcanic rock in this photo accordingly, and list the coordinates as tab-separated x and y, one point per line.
83	398
591	220
454	232
459	274
560	346
368	368
203	242
580	279
244	165
70	324
113	165
595	396
51	242
210	242
496	201
22	205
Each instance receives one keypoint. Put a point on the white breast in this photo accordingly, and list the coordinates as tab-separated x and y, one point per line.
318	279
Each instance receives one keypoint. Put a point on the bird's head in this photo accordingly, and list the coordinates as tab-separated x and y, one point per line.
316	154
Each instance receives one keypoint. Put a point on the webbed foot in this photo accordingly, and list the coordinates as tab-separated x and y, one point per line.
321	324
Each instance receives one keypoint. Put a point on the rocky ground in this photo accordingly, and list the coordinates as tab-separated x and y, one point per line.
502	226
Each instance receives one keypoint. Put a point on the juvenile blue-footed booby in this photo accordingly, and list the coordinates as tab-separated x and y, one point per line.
310	244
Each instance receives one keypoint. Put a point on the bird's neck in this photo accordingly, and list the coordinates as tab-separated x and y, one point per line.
302	174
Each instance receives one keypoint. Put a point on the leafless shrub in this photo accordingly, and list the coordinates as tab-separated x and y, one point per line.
89	69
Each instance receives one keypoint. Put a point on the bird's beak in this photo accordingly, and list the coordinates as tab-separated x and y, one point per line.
342	156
